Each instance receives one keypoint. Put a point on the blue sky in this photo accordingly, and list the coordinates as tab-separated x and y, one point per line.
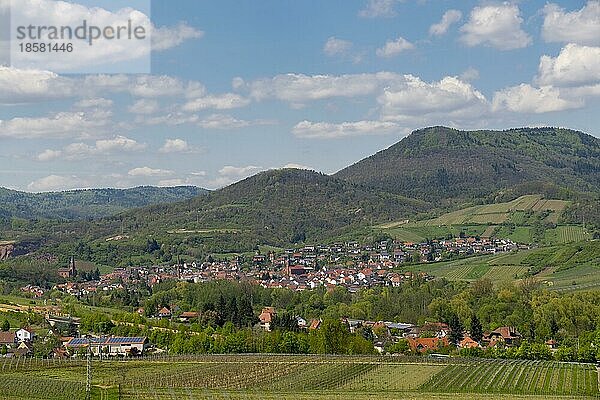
242	86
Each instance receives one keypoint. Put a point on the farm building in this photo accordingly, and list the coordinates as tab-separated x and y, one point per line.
112	346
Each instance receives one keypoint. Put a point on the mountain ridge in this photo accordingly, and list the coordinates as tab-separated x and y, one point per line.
440	164
87	203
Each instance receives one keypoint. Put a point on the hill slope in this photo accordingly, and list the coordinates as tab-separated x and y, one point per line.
277	207
90	203
437	164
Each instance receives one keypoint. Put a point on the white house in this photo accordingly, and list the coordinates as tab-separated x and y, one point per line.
25	335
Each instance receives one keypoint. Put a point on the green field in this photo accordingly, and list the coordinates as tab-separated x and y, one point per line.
499	213
568	267
296	377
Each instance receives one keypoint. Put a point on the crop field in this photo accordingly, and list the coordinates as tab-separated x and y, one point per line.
566	234
522	377
499	213
296	377
474	268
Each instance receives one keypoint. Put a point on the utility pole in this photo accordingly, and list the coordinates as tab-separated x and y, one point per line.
88	383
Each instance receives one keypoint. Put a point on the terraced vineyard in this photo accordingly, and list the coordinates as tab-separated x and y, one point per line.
297	377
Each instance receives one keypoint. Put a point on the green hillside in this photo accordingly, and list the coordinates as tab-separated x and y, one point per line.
277	207
91	203
441	163
566	267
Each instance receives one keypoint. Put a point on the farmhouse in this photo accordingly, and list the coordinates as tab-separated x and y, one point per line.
112	346
25	335
508	335
8	339
266	317
422	345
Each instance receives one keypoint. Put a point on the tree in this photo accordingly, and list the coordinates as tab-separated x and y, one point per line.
476	329
456	330
5	326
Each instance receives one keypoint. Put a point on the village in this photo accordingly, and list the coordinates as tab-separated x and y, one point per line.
350	265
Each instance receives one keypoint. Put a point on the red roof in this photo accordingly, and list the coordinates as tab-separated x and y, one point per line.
424	344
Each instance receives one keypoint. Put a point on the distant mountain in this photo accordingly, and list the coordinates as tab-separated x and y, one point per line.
277	207
92	203
441	164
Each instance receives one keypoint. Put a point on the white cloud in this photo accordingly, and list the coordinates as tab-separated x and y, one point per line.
147	171
172	119
335	47
421	102
498	26
156	86
49	155
581	26
298	166
164	38
379	8
225	101
449	18
98	102
226	122
61	125
574	66
118	143
230	174
470	74
56	182
32	86
238	172
175	146
326	130
104	52
144	107
394	47
79	151
527	99
299	88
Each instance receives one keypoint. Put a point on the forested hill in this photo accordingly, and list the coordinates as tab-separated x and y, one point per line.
278	207
92	203
439	163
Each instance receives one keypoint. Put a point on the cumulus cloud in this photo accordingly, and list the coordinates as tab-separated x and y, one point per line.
470	74
423	102
378	9
58	126
574	66
78	151
581	26
220	121
449	18
225	101
98	102
175	146
56	183
299	88
497	26
26	86
394	47
105	53
326	130
149	172
164	38
144	107
527	99
335	47
49	155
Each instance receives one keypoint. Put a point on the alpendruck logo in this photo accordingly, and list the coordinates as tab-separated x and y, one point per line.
87	36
